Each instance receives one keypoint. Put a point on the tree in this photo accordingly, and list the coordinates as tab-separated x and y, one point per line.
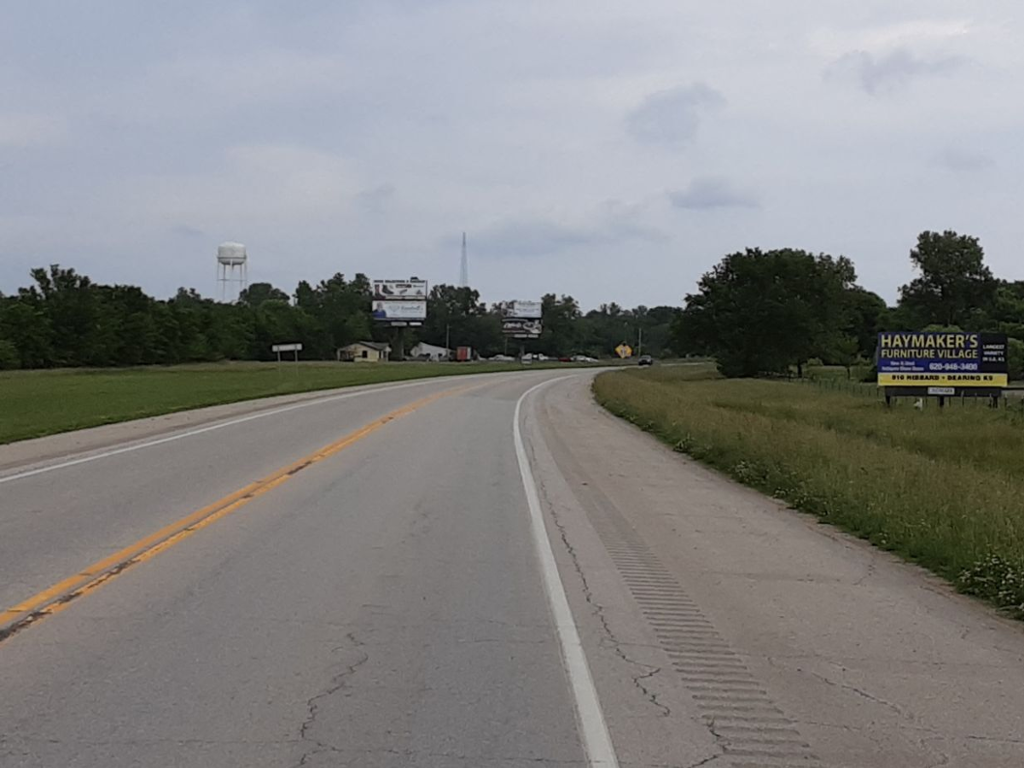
78	334
456	316
842	349
759	312
257	293
865	315
25	325
954	286
560	336
189	297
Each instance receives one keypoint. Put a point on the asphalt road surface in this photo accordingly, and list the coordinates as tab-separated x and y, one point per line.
399	576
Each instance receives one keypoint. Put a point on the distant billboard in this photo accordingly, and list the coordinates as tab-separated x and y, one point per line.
942	360
526	310
400	302
400	290
406	311
521	328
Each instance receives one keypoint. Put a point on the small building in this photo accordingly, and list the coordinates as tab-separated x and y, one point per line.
434	354
365	352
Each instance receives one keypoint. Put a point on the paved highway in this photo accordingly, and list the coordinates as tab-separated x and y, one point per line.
413	576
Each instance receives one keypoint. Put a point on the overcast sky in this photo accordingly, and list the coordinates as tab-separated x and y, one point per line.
609	150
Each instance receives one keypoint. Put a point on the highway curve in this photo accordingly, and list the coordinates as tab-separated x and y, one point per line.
411	575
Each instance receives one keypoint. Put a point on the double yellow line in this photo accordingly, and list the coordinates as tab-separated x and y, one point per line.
57	597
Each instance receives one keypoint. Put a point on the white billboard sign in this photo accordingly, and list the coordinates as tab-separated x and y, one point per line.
400	290
286	348
526	310
400	310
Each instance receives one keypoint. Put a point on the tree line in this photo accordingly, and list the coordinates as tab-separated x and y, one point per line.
64	319
755	312
763	312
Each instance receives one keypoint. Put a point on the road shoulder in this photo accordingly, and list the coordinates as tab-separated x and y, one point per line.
822	647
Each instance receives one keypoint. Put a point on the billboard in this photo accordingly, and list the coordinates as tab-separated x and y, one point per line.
523	320
400	302
942	359
528	310
413	289
521	328
406	311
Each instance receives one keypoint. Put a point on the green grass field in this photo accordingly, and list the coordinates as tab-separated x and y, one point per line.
36	403
941	488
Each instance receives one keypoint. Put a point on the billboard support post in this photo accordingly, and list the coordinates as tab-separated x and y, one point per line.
398	343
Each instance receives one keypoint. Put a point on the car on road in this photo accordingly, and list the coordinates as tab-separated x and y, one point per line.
645	360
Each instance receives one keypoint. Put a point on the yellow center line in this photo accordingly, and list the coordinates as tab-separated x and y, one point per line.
57	597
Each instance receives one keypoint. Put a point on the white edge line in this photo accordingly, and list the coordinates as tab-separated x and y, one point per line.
597	741
231	423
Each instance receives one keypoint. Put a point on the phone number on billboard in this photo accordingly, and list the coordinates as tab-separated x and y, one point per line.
973	367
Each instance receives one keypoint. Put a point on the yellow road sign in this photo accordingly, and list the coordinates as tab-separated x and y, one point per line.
624	351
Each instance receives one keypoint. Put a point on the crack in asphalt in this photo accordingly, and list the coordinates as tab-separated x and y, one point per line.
944	758
338	682
862	693
598	610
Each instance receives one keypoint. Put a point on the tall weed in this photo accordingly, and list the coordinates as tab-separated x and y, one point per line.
942	488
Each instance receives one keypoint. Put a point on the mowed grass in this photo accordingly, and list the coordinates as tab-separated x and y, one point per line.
37	403
941	488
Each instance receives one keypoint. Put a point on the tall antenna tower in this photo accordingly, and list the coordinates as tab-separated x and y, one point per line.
464	268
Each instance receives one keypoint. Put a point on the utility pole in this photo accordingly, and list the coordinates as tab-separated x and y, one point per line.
639	341
447	341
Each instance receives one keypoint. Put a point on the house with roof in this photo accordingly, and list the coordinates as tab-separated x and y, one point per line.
365	352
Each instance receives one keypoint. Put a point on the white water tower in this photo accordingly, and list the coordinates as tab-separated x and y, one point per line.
232	270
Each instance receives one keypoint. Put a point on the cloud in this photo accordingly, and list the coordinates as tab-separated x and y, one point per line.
963	160
709	193
185	231
24	130
514	121
876	73
253	185
376	199
236	76
834	41
672	117
613	223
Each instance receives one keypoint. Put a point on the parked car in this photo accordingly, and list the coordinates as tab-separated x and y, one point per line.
645	360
